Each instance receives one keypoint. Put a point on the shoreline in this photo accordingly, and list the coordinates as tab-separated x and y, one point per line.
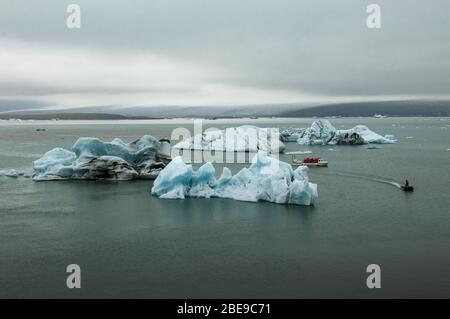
176	120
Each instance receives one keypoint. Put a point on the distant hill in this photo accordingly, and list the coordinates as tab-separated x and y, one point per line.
188	111
407	108
67	116
364	109
143	112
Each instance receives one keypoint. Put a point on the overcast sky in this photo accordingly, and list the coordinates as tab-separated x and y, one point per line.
221	52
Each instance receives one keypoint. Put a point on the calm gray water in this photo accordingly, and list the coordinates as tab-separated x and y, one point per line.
130	244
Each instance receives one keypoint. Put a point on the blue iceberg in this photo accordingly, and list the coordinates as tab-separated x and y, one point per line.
91	158
267	179
322	132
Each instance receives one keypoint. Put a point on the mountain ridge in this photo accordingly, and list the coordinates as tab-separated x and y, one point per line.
403	108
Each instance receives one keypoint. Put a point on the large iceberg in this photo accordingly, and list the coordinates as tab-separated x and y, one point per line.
267	179
322	132
91	158
246	138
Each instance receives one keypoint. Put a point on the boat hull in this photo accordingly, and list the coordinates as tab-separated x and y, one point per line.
300	163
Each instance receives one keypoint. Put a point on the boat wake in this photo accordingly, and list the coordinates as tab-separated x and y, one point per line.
365	177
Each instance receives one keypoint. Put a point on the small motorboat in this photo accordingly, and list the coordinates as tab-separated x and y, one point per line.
311	162
407	188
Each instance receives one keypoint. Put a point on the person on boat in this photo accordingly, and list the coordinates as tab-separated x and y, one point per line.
406	183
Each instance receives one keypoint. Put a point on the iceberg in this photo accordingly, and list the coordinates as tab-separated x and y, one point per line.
246	138
91	158
322	132
369	136
266	179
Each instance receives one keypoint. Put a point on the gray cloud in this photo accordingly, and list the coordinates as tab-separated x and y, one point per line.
293	48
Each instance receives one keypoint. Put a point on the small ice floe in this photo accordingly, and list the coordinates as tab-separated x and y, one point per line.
11	173
409	137
331	149
15	120
388	138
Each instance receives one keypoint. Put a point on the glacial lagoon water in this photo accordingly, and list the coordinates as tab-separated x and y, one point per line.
130	244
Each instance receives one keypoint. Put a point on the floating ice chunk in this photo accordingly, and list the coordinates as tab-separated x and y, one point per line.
11	173
246	138
322	132
92	158
267	179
